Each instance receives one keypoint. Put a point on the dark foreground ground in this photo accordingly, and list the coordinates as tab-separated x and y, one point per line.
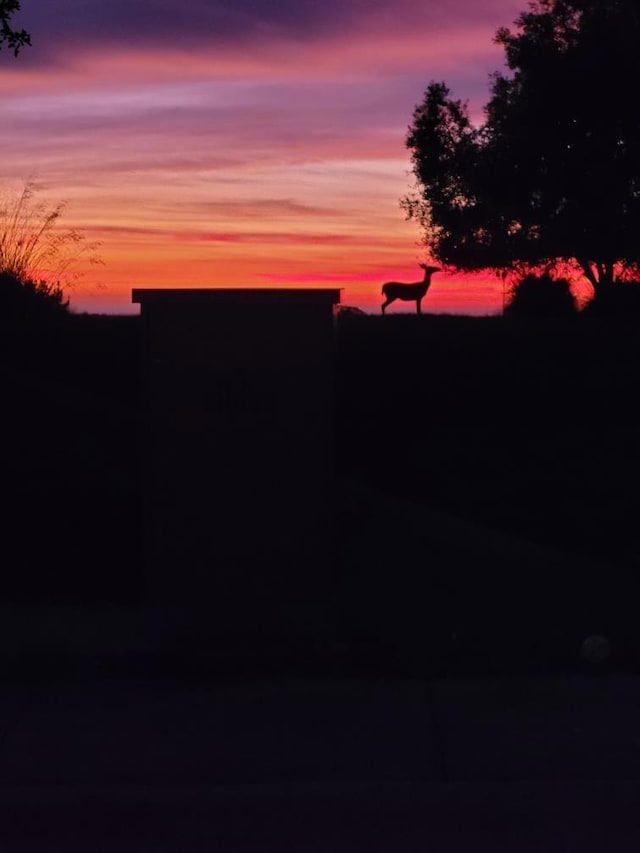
487	524
525	430
303	766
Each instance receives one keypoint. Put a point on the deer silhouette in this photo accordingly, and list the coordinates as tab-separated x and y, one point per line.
393	290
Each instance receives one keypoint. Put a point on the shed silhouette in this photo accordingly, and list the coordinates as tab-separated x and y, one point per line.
238	456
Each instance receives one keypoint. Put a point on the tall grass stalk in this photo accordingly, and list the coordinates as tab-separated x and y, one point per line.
33	246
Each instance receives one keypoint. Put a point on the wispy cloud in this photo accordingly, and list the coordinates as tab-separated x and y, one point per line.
62	27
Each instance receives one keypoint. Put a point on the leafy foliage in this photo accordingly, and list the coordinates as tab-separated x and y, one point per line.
447	163
553	174
14	39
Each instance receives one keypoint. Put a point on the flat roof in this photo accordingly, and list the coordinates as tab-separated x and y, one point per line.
237	295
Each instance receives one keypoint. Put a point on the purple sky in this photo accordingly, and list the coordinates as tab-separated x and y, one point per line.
214	142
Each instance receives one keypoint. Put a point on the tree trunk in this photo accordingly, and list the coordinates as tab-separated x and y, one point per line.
599	274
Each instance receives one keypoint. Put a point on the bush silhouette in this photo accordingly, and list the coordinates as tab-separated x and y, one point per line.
621	300
33	316
26	301
349	314
541	296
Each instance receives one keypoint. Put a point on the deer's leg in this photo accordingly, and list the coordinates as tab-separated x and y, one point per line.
419	305
387	302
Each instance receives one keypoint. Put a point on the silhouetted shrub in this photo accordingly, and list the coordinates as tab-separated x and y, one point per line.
29	300
541	296
622	299
33	321
349	312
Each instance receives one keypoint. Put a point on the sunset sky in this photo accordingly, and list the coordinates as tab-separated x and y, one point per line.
240	142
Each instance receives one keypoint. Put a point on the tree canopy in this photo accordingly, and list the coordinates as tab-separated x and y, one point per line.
14	39
553	173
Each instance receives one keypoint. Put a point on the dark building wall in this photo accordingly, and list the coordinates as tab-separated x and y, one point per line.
239	454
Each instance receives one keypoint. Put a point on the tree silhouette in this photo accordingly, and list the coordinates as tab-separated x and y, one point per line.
553	174
14	39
